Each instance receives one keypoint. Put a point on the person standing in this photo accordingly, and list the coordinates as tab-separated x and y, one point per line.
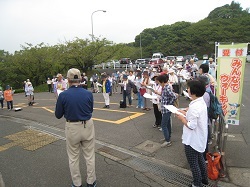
145	83
8	97
156	102
30	93
131	77
106	90
49	82
60	85
138	82
76	105
167	98
195	131
127	89
1	97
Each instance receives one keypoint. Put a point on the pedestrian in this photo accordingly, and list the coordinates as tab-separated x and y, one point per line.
127	89
30	93
203	70
131	77
60	85
138	82
76	105
114	83
167	98
156	102
24	86
195	131
49	82
1	97
181	79
8	97
84	81
145	82
106	88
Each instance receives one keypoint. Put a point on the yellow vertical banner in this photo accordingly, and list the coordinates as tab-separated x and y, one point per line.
230	76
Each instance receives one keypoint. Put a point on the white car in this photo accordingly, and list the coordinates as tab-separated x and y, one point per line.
179	59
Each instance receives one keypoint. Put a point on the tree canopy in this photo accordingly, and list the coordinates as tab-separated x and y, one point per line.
229	23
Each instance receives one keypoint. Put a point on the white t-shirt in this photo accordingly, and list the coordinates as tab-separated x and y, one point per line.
131	77
196	134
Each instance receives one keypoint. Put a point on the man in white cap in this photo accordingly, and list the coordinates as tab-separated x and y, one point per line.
76	105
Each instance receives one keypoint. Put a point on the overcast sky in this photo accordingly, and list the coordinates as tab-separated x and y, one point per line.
57	21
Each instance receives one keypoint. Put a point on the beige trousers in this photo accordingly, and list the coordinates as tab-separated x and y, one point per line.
79	137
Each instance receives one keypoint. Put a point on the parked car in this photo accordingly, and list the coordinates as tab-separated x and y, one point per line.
205	57
155	62
125	61
157	55
170	58
180	59
141	63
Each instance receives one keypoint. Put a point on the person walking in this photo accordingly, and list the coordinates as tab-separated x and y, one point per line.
8	97
76	105
106	88
195	131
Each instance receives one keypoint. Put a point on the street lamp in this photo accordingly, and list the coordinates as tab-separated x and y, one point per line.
92	22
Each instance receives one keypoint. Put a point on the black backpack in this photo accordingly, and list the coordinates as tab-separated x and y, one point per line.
135	91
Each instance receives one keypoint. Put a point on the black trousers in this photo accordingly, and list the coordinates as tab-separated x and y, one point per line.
197	165
158	116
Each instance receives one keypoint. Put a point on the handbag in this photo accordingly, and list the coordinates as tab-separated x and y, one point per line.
142	91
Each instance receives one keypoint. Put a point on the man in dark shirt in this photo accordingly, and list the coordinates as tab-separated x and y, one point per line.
76	105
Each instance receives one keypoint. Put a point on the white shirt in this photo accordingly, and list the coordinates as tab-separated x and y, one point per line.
157	88
196	134
131	77
173	79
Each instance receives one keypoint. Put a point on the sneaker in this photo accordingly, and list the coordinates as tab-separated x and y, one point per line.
166	144
137	107
107	106
160	129
72	185
91	185
162	140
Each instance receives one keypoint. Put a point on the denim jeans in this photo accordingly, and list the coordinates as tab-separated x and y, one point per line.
140	100
166	125
125	94
10	104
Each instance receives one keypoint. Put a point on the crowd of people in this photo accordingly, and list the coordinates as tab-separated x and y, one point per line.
163	86
160	85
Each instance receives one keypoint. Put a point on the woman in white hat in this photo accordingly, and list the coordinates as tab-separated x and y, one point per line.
30	93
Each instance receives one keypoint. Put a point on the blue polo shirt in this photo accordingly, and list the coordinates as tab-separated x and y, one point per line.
75	103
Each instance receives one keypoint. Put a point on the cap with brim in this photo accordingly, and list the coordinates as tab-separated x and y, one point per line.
74	74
